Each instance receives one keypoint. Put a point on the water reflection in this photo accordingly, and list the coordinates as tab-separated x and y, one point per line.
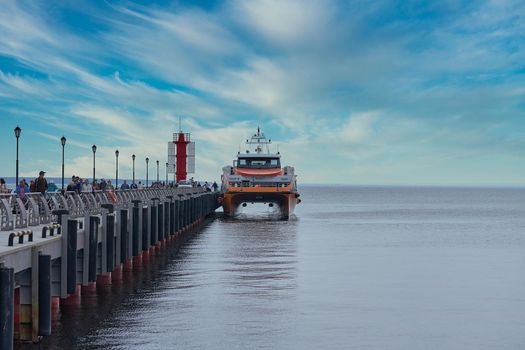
220	278
260	256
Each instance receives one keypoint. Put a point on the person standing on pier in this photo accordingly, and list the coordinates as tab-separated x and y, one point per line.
215	186
86	186
71	184
21	190
125	185
41	183
32	186
3	187
78	185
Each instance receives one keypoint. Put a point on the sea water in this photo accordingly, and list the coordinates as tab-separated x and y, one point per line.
355	268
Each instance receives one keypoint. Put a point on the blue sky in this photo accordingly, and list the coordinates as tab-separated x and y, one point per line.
357	92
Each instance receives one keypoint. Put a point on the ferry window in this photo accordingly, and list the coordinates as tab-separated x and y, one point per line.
259	163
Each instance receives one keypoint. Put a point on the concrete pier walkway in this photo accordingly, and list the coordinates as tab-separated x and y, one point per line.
54	246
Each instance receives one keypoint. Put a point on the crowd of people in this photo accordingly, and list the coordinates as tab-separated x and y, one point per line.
77	184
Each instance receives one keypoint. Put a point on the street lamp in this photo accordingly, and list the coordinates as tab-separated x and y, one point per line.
116	169
147	171
63	142
167	173
17	135
133	158
94	149
157	172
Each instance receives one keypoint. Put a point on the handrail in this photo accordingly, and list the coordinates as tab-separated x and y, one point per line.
37	208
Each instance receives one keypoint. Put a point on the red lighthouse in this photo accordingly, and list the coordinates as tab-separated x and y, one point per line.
181	156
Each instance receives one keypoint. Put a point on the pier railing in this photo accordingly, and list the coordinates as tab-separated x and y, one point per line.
38	209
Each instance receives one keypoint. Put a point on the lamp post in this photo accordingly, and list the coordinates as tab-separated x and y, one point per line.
147	171
17	135
63	142
116	169
94	149
167	173
133	158
157	172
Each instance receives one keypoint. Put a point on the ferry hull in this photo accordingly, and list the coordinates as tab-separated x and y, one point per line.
285	201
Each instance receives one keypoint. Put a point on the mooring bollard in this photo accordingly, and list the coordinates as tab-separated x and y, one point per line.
192	210
176	218
184	213
172	218
192	206
123	235
93	248
153	225
135	228
72	231
145	225
64	222
7	307
44	294
167	232
135	218
160	221
110	240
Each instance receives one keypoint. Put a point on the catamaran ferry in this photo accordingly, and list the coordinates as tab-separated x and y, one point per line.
257	177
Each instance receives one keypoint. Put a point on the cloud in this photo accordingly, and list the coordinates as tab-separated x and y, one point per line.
27	86
286	24
363	89
358	128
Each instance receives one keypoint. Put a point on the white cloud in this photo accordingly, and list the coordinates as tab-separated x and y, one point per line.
350	92
285	23
358	128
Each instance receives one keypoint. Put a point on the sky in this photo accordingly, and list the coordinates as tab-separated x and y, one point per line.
352	92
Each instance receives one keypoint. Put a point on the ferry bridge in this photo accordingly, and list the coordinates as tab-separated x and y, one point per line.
54	246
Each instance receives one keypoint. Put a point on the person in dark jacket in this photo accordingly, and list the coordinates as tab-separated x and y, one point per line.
71	184
78	185
41	182
124	186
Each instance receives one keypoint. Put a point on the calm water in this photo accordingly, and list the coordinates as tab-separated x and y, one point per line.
364	268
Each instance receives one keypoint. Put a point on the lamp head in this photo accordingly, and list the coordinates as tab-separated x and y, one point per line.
117	153
17	131
63	141
147	160
94	148
133	157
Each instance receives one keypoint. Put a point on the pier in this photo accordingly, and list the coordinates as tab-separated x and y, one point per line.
56	246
